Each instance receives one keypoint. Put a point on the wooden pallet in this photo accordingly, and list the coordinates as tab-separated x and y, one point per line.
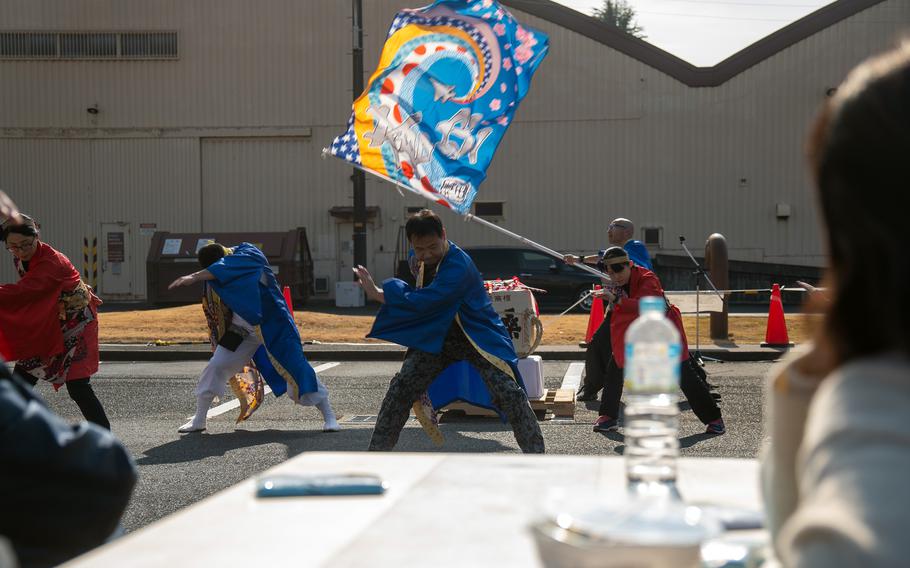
558	403
561	402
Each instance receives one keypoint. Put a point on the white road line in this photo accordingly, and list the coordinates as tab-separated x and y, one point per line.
572	380
325	367
232	404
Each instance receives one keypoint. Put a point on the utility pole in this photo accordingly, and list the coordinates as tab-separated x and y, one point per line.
359	177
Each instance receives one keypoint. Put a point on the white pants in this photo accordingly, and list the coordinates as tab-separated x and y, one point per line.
225	363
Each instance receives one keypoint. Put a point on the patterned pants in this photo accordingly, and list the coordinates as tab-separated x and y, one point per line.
420	369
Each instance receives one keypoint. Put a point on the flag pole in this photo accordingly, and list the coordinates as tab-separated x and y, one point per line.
470	217
530	243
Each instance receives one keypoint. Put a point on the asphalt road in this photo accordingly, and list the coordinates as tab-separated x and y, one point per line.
146	402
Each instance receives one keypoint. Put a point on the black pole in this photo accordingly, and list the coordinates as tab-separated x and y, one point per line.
359	178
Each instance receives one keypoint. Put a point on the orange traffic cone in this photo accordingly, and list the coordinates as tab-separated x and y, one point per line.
776	333
596	318
287	298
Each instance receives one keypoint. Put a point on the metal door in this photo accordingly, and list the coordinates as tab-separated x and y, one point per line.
116	273
344	245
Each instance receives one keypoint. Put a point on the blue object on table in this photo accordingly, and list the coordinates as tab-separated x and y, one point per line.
319	485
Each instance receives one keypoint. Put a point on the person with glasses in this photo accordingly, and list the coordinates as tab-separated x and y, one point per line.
620	233
633	283
599	353
50	318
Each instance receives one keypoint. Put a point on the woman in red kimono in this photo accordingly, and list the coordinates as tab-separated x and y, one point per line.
634	283
50	319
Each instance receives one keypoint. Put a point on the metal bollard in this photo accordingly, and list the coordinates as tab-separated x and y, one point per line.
717	262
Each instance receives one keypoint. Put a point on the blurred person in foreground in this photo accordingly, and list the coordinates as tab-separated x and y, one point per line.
63	487
835	472
49	318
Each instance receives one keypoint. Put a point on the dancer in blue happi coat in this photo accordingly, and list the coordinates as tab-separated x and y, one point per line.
252	322
449	318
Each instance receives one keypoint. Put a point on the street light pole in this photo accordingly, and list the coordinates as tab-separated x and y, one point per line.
358	177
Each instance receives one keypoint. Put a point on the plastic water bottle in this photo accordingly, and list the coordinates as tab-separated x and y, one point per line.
651	421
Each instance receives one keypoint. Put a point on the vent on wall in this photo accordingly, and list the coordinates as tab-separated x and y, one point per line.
652	236
88	45
321	285
489	209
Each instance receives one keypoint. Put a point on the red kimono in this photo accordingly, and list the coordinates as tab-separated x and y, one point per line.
642	283
49	319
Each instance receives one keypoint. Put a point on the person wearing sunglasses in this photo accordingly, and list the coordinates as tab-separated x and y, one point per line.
599	353
50	318
633	283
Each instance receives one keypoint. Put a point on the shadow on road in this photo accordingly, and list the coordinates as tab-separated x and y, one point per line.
193	447
693	439
684	442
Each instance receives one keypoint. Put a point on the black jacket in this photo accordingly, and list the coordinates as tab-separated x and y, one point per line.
63	487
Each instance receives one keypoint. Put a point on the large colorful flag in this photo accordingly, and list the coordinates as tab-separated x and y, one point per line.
450	78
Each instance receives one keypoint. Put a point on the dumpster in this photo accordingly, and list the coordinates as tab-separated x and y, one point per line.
174	254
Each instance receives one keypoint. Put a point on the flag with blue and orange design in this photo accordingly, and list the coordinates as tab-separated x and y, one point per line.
450	78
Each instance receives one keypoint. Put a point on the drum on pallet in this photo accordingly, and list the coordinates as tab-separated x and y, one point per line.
519	313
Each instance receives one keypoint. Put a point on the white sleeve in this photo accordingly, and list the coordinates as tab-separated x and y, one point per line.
788	395
853	469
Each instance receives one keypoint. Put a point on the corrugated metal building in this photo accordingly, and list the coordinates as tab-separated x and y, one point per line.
130	116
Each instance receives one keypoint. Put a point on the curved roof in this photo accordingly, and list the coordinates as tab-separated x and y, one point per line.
680	69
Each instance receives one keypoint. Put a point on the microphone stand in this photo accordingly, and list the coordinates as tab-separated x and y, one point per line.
699	273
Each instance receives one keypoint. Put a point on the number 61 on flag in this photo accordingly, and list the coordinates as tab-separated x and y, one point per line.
449	80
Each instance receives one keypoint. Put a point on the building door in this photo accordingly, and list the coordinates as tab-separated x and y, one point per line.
116	275
344	244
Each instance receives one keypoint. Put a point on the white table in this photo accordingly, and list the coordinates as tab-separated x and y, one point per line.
464	510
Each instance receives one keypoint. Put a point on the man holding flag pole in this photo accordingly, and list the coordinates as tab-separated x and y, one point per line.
447	318
449	80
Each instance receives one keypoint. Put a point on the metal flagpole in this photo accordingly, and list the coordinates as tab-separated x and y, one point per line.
531	243
470	217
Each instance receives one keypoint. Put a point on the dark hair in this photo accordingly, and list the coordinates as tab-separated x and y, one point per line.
210	254
28	227
423	223
615	252
858	152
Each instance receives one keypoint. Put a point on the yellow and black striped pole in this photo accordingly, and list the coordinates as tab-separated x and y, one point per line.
85	260
95	262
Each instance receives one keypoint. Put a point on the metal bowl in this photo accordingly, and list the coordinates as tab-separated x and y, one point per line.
561	547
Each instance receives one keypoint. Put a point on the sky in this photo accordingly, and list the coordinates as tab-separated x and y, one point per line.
705	32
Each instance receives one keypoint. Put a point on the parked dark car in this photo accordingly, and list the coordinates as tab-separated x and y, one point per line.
564	284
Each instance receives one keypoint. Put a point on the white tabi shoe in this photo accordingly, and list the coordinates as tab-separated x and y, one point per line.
189	427
197	424
331	423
